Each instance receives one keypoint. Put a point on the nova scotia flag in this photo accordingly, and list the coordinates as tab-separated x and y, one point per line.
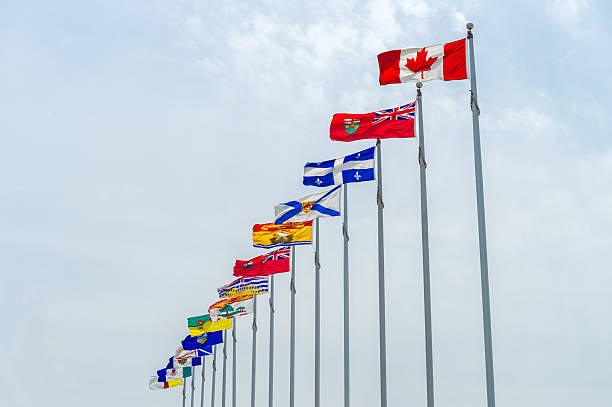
356	167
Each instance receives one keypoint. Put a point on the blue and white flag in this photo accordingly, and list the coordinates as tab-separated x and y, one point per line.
309	207
356	167
176	363
172	374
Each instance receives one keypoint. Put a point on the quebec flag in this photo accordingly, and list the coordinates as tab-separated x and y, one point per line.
356	167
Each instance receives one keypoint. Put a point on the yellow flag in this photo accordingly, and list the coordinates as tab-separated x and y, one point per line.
174	382
197	329
286	234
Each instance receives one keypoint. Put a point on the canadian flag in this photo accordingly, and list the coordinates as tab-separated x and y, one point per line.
445	62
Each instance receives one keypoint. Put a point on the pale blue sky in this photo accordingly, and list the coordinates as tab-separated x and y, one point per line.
141	140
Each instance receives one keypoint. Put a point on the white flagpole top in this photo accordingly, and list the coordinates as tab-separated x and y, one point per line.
469	26
419	85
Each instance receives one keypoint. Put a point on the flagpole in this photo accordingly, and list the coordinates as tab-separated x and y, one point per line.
233	363
317	320
223	380
381	283
192	384
203	370
292	334
347	379
425	252
254	351
214	375
482	232
184	394
271	361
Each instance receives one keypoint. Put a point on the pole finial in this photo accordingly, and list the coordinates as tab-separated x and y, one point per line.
469	26
419	85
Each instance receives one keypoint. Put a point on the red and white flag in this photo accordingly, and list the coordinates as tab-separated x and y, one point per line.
445	62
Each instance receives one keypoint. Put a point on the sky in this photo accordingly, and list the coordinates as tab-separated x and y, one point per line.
141	140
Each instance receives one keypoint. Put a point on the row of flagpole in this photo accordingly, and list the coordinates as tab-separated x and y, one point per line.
381	287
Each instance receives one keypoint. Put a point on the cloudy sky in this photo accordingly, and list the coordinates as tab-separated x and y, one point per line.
141	140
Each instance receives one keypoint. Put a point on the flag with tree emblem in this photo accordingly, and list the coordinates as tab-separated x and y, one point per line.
231	307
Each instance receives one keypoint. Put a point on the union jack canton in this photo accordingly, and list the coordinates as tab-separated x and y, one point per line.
405	112
283	253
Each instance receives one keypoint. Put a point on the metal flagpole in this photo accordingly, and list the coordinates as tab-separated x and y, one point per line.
193	369
233	363
271	361
223	380
347	378
214	375
381	282
254	351
184	395
482	232
317	320
203	379
425	249
292	334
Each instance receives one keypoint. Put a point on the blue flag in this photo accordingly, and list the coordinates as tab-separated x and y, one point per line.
202	341
176	363
356	167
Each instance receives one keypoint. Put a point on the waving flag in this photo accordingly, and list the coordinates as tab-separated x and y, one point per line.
309	207
269	235
397	122
202	324
172	374
356	167
203	341
232	307
154	384
446	62
176	363
164	375
191	353
264	265
244	286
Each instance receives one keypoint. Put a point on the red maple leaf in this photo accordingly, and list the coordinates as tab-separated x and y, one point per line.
421	63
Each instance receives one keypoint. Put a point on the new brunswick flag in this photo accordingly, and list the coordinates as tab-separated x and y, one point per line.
269	235
202	324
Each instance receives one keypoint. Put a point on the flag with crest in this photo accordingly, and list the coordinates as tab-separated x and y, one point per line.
309	207
397	122
232	307
264	265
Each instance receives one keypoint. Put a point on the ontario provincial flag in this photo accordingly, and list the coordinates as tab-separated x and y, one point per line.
264	265
397	122
356	167
447	62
